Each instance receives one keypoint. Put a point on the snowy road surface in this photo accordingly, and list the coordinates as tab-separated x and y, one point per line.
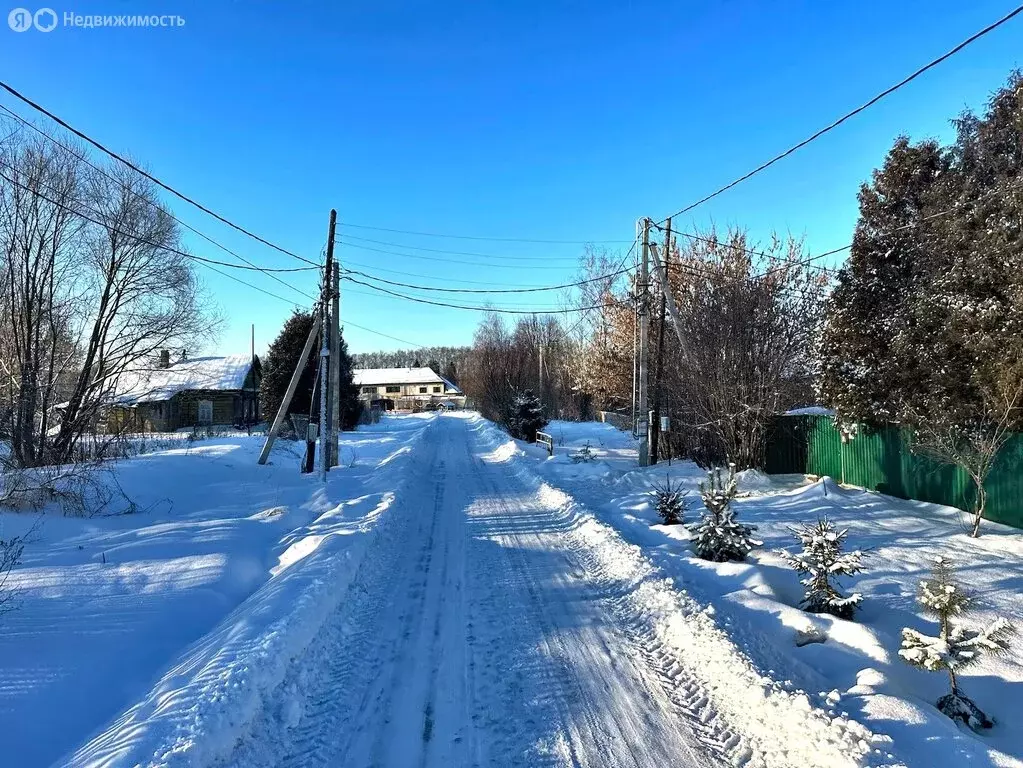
481	632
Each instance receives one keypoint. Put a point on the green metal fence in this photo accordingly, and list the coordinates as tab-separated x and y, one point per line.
881	460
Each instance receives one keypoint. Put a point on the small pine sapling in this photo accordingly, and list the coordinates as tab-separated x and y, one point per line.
719	536
670	501
822	560
956	647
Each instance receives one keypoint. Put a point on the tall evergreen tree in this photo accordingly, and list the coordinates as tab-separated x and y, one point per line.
351	407
279	364
927	318
926	323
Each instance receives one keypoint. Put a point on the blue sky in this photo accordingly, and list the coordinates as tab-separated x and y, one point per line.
537	120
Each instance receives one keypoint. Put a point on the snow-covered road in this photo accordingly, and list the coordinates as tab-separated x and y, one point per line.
480	631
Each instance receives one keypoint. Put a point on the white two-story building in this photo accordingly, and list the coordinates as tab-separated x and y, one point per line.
411	385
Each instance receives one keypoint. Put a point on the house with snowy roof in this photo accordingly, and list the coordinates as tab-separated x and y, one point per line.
406	387
187	392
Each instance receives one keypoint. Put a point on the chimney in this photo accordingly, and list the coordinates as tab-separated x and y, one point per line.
165	358
184	355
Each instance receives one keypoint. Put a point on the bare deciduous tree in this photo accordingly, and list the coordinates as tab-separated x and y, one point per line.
144	296
41	241
744	348
94	283
973	444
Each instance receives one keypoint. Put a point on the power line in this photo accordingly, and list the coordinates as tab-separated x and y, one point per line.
499	257
476	237
149	176
496	290
902	228
450	261
385	335
906	80
145	241
390	295
405	273
472	308
741	248
153	203
250	285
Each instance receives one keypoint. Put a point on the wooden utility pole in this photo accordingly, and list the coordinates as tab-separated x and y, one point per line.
282	412
539	372
326	406
335	363
644	343
655	422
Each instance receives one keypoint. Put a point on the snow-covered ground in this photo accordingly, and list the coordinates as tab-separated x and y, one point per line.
104	604
455	597
857	670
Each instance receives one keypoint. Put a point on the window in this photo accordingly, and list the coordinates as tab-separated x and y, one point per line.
205	412
391	389
422	390
369	390
436	389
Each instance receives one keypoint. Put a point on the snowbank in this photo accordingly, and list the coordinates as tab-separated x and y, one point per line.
229	572
759	720
856	671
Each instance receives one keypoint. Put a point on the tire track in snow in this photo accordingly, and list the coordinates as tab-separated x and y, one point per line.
313	718
478	633
616	739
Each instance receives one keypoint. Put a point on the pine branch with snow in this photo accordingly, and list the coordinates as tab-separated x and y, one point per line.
955	647
823	561
670	501
719	536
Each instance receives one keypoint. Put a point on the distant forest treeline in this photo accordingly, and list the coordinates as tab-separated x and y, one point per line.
446	361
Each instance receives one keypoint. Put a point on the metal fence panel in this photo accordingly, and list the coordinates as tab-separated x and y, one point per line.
881	460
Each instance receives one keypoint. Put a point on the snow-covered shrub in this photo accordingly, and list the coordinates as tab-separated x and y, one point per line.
670	501
719	536
822	560
956	647
11	551
584	454
526	417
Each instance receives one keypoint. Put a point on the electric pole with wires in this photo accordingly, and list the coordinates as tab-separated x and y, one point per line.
326	405
643	310
655	421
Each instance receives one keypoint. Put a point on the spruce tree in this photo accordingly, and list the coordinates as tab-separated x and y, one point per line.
926	319
351	406
719	536
279	365
823	561
526	417
955	647
669	501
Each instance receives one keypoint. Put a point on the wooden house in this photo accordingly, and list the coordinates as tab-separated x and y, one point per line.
203	391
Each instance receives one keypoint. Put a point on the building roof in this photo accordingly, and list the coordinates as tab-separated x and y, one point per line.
374	377
205	373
